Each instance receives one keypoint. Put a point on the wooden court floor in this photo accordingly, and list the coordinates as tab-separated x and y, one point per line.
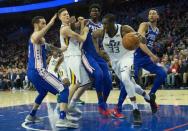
164	97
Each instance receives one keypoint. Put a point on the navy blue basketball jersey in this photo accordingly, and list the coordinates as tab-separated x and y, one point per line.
150	37
36	56
88	45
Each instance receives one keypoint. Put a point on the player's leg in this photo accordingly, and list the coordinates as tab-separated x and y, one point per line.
117	111
160	75
56	87
125	76
96	73
107	78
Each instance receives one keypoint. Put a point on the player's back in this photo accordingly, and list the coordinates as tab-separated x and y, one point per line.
88	45
36	56
151	35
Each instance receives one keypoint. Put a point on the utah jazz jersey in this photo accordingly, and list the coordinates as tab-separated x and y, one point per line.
150	37
36	56
113	45
88	45
73	46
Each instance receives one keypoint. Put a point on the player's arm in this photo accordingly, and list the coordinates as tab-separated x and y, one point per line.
60	60
36	37
142	31
53	48
98	34
66	31
128	29
48	60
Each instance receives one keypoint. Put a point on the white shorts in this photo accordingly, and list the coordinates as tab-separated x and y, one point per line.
76	71
124	69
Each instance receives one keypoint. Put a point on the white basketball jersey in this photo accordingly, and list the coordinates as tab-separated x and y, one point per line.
113	45
72	44
52	65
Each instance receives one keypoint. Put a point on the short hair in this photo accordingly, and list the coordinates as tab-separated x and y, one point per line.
61	10
36	19
111	17
94	6
153	9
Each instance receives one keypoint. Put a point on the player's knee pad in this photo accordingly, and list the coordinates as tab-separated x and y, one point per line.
63	96
40	98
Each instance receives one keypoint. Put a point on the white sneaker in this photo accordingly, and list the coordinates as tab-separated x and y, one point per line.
35	119
73	118
66	124
74	110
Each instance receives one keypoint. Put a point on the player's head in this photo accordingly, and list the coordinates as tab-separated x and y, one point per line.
63	15
153	15
38	22
95	11
108	22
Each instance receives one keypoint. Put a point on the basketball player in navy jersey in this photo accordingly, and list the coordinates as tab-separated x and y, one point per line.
144	58
95	64
37	73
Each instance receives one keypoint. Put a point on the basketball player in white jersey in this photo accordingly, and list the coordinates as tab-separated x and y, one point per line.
121	59
53	63
72	56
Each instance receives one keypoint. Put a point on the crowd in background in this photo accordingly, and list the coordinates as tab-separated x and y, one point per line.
171	46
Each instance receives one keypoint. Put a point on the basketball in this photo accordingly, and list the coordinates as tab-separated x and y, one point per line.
130	41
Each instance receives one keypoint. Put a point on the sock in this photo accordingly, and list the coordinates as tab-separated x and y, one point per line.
100	97
62	115
103	105
106	94
134	104
33	112
146	96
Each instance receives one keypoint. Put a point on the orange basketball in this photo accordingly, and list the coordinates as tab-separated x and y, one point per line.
130	41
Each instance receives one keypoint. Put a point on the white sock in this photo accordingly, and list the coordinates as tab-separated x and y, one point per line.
134	104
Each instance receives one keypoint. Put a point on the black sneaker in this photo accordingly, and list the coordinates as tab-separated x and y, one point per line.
153	103
137	117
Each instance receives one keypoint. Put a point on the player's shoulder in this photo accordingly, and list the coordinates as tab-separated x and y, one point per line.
145	24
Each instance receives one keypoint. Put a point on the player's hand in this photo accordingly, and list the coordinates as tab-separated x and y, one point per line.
66	82
53	19
154	58
72	19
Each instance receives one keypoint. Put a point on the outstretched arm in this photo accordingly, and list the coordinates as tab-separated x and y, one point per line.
37	36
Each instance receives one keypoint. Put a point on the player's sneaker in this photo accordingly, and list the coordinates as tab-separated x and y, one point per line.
104	112
74	110
152	103
35	119
137	117
116	114
73	117
66	124
80	102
